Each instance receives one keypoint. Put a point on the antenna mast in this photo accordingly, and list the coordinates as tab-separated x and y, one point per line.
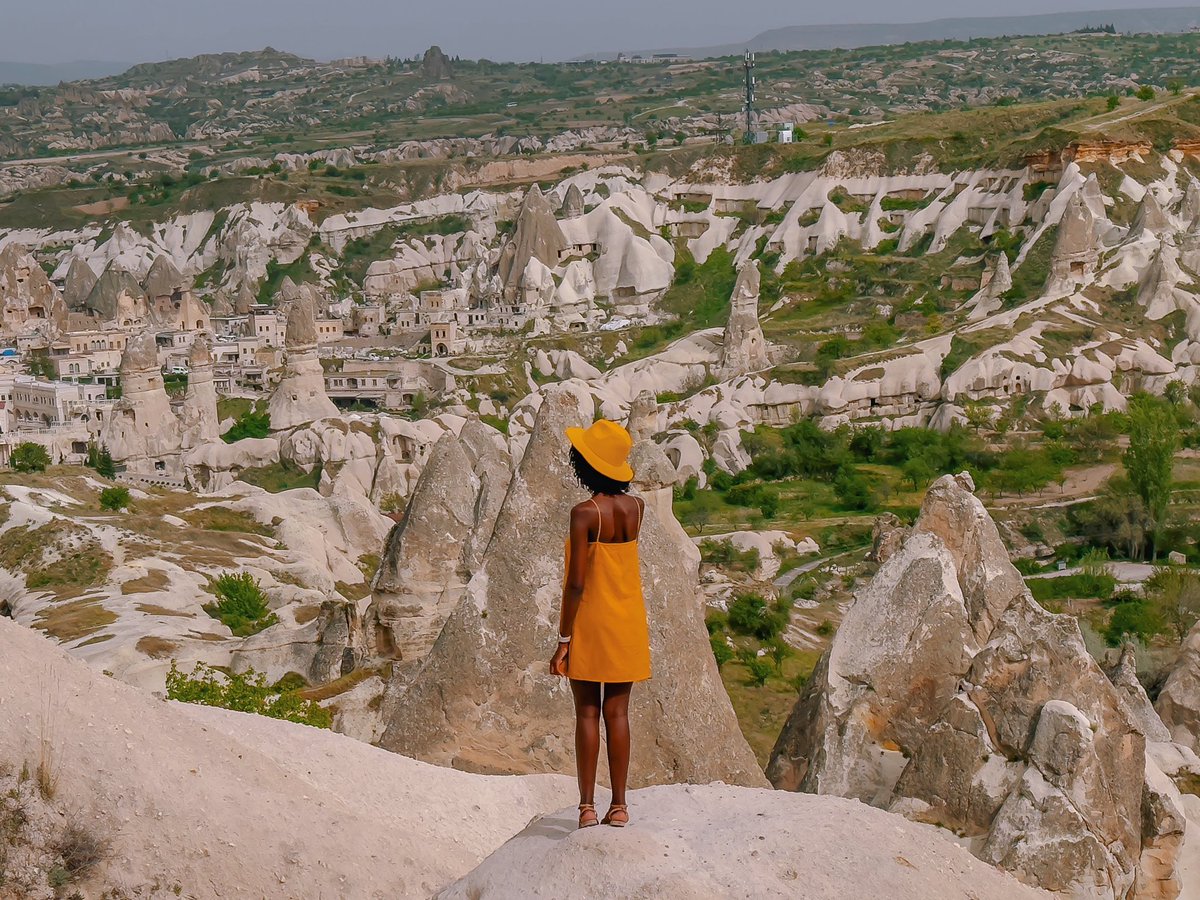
748	64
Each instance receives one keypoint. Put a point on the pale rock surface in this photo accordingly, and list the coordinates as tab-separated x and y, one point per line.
198	416
80	280
744	349
715	842
116	296
324	650
28	299
768	544
1179	701
229	804
140	428
642	424
536	236
949	695
483	699
300	395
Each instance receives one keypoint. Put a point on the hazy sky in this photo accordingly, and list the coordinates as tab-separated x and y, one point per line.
143	30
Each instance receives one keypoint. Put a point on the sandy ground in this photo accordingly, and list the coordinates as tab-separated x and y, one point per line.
226	804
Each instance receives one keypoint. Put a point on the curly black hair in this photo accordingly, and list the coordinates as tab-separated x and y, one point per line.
592	480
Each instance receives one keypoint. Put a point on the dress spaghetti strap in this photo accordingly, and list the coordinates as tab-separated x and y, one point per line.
600	521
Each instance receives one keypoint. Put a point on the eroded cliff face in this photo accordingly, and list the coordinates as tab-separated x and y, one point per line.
950	696
482	698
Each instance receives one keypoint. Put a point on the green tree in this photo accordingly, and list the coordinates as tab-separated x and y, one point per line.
101	460
1113	102
29	457
114	498
1145	92
1174	595
1134	618
1153	440
249	424
757	668
778	650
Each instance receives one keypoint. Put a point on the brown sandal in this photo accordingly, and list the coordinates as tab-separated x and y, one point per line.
587	815
617	809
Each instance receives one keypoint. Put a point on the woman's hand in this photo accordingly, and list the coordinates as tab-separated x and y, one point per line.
558	662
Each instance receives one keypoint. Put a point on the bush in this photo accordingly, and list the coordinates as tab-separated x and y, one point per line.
114	498
727	556
1135	619
250	424
750	615
241	604
758	668
722	652
248	692
29	457
853	492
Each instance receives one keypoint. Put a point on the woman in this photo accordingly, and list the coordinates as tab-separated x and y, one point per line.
604	643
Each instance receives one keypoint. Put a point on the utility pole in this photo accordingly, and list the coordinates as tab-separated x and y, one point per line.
748	64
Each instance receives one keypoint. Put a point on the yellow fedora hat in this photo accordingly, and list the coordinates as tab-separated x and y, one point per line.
605	445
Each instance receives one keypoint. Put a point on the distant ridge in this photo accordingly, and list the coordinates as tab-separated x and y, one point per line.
829	37
53	73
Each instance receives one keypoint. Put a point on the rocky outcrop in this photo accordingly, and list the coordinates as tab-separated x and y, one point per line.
163	279
80	281
744	349
430	554
1150	218
116	296
435	65
643	417
483	700
28	300
997	279
1179	701
950	696
537	236
198	416
141	430
692	842
572	205
1076	248
300	396
322	651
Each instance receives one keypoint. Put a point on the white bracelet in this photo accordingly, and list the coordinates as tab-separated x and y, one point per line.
564	639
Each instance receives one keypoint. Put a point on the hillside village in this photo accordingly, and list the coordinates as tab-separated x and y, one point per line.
289	417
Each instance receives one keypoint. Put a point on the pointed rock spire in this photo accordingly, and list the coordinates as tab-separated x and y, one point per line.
81	278
572	205
115	290
744	349
1150	218
163	279
537	236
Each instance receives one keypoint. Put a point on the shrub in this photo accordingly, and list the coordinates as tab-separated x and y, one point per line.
727	556
114	498
853	492
248	692
1133	619
757	668
250	424
1145	92
241	604
722	652
750	615
29	457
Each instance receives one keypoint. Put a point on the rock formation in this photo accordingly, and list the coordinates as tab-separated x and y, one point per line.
572	205
1189	210
1076	248
483	700
430	554
80	281
435	64
1150	218
141	430
1179	701
537	236
322	651
744	348
198	416
27	298
643	417
163	279
693	843
116	296
950	696
997	278
300	396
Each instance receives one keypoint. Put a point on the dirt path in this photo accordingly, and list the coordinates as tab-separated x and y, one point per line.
1081	484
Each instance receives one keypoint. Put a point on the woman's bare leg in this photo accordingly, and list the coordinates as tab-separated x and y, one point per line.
587	736
616	732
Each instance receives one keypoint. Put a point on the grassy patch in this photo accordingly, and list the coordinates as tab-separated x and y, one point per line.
75	619
153	580
762	711
221	518
156	647
281	476
152	609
